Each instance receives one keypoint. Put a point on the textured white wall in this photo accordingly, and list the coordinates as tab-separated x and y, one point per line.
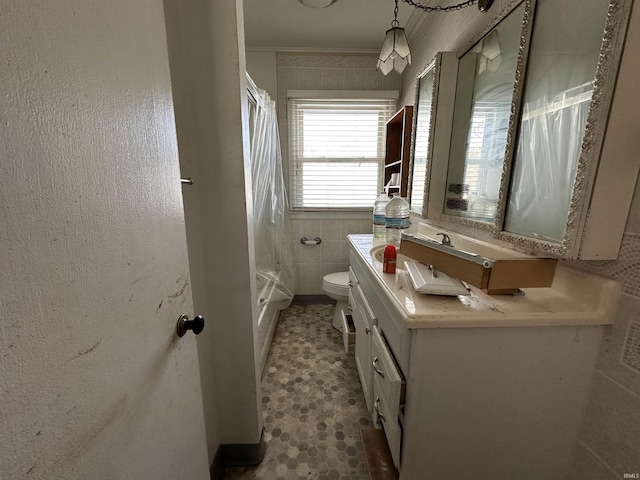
443	32
262	69
206	46
94	269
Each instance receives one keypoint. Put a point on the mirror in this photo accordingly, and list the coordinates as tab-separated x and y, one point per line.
431	121
558	90
422	131
484	94
531	107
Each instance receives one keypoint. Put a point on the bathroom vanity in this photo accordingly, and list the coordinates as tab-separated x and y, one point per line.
477	386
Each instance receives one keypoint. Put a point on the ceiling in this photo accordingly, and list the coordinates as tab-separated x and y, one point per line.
350	25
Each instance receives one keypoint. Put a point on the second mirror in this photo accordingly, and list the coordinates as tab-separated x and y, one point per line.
482	110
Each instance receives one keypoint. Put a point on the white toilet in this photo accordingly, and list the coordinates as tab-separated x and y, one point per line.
336	286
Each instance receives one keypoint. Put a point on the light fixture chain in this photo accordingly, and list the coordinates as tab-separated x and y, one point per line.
440	8
395	22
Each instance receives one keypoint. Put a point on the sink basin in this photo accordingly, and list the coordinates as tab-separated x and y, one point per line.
377	254
466	246
495	269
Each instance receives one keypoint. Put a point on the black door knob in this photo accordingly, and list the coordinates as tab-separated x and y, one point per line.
184	324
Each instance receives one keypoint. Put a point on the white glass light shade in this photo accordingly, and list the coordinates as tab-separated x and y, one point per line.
395	54
317	3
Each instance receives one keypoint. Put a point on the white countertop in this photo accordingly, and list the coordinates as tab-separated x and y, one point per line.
575	298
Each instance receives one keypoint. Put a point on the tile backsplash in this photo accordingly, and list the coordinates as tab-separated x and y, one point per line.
631	351
625	269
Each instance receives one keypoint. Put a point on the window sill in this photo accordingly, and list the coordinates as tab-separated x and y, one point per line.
332	215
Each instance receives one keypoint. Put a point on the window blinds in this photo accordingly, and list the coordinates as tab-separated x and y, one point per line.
485	156
336	147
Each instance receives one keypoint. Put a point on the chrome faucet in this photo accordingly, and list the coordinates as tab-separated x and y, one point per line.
446	241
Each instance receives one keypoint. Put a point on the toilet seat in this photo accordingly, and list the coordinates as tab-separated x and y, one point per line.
336	283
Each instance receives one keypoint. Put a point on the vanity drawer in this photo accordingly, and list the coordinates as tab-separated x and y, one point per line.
363	318
388	393
384	417
386	373
355	308
352	303
363	304
392	329
348	331
353	280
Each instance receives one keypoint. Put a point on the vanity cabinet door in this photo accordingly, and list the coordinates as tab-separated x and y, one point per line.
384	418
388	393
385	369
364	319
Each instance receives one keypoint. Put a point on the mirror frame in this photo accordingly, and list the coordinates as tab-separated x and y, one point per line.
431	66
442	95
604	84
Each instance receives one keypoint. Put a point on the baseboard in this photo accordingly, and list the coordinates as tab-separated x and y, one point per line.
312	300
217	467
243	454
377	454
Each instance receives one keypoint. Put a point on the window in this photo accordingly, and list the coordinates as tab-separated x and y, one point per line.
336	147
485	154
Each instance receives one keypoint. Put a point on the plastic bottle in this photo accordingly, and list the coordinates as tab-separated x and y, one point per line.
390	256
379	212
396	219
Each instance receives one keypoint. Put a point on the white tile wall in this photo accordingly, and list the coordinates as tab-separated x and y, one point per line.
590	467
611	361
332	255
612	425
324	72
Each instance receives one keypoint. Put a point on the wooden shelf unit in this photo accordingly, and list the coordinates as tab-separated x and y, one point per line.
398	149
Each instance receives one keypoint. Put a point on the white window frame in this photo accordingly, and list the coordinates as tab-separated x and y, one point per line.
295	163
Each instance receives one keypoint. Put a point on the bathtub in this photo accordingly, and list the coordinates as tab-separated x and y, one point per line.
270	301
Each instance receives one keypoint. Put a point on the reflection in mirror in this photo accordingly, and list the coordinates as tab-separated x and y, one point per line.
422	132
484	91
560	79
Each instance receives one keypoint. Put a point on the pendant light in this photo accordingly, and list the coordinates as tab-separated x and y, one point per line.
317	3
395	54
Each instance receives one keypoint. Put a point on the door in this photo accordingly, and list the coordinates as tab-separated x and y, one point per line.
93	272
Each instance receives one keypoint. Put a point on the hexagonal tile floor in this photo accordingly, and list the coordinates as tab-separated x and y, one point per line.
313	404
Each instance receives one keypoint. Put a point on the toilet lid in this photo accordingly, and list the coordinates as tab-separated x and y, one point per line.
339	279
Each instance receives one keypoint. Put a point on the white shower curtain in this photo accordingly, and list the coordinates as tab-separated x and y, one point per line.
274	259
549	147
